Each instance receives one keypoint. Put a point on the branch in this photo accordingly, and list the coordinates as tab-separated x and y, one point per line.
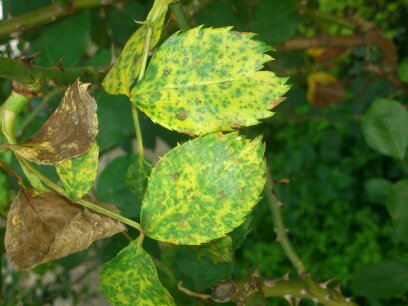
20	71
48	14
280	230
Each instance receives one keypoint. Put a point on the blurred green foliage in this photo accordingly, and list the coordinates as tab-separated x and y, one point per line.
332	180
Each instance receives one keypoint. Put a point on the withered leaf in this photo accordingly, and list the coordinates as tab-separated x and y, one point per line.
42	227
68	133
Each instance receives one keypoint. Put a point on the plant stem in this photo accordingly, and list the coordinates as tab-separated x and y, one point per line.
82	202
280	230
26	73
135	115
47	15
9	111
181	18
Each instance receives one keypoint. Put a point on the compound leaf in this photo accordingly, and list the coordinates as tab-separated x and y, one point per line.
126	68
385	127
42	227
78	174
68	133
130	279
136	177
212	183
207	80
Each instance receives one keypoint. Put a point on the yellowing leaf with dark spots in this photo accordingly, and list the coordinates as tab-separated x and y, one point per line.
126	68
130	279
68	133
218	251
42	227
203	189
207	80
78	174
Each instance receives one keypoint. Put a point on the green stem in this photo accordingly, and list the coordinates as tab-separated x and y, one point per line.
280	230
81	202
181	18
26	73
135	114
9	111
47	15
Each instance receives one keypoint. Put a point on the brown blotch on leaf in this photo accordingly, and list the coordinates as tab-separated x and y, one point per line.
182	115
42	227
68	133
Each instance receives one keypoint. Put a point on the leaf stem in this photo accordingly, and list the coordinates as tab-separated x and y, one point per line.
280	230
181	18
135	115
81	202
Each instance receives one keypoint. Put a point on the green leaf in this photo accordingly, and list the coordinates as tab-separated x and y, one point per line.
126	68
56	41
136	177
403	71
112	187
115	120
385	127
397	202
276	21
200	274
239	234
218	251
78	174
382	280
377	189
211	184
207	80
401	229
131	279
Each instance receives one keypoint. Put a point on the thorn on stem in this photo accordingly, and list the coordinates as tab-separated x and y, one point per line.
326	283
288	298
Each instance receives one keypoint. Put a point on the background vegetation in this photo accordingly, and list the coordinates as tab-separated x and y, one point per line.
341	56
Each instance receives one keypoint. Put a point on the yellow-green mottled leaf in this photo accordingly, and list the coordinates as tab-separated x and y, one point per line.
127	66
218	251
207	80
203	189
78	174
130	279
68	133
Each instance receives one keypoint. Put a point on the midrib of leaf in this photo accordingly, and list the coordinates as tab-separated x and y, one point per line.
202	84
209	183
385	131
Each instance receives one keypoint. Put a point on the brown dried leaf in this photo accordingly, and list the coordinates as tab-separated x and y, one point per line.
42	227
68	133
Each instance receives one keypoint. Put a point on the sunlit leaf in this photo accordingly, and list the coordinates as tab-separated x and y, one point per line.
68	133
78	174
127	66
203	189
130	279
42	227
207	80
385	127
218	251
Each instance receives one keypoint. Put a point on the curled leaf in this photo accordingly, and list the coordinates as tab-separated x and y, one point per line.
78	174
126	68
42	227
68	133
